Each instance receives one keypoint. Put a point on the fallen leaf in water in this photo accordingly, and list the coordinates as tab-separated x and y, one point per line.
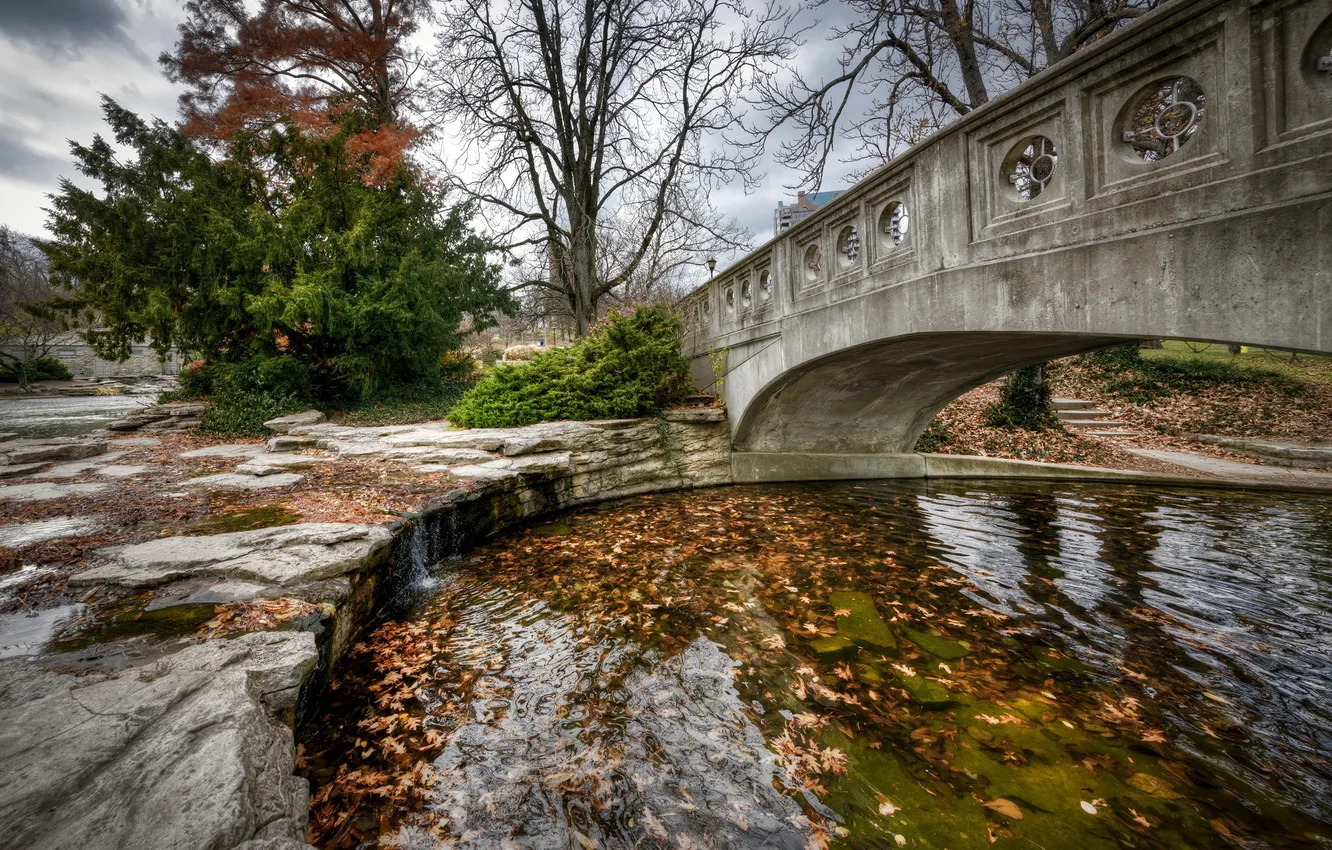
1088	808
887	809
1153	785
1007	808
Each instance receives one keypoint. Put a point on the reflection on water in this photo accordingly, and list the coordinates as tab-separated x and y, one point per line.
855	665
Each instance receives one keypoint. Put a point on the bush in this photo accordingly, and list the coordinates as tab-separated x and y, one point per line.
629	366
248	392
1128	355
1024	402
45	368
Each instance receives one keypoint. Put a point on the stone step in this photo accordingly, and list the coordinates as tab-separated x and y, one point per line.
1072	416
1093	423
1111	433
1071	404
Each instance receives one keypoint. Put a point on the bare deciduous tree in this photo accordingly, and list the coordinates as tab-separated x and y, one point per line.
588	117
908	67
28	326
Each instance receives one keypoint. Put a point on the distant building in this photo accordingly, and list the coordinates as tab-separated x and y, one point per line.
784	217
69	348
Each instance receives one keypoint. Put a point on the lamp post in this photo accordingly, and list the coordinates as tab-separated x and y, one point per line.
712	266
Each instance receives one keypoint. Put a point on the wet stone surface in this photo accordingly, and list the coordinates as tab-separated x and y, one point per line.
964	666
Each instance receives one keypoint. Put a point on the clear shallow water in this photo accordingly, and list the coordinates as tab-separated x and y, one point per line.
868	665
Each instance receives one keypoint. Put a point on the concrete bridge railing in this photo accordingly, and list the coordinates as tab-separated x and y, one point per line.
1171	181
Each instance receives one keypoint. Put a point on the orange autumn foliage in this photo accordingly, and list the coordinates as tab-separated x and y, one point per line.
313	63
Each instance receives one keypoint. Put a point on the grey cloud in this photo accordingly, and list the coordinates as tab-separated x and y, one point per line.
62	24
20	163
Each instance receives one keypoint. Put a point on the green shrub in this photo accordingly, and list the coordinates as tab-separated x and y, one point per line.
420	402
45	368
249	392
629	366
1024	402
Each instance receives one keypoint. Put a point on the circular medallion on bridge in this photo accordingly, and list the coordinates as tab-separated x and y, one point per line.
765	285
894	223
1162	117
848	246
1317	59
746	292
813	262
730	299
1030	166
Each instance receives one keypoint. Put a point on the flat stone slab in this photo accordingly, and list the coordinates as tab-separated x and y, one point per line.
235	481
44	490
948	650
231	450
286	555
75	468
192	750
271	463
695	414
19	469
34	451
28	533
283	424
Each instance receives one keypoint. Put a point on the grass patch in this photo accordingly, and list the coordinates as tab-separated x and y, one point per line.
1302	367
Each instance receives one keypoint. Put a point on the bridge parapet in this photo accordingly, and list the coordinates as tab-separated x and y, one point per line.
1203	109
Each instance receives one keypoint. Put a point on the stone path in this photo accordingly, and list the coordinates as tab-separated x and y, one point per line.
1231	469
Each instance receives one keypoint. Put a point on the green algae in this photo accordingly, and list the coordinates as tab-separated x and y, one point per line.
938	646
925	692
832	648
862	624
247	519
132	619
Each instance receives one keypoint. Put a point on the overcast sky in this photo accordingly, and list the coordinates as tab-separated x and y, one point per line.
57	57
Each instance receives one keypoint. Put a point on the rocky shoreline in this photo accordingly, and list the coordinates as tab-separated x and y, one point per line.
187	740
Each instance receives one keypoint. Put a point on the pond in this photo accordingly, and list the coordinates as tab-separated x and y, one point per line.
962	665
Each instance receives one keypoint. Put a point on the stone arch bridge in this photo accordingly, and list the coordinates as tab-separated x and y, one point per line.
1171	181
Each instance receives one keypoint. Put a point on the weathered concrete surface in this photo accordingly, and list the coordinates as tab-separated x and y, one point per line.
1223	240
192	751
285	555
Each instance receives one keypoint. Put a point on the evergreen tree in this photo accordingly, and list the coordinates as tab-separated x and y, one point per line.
280	246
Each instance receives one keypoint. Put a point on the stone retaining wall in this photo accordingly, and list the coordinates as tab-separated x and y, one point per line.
195	747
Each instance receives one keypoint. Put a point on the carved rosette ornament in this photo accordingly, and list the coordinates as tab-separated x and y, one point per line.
1034	168
1169	115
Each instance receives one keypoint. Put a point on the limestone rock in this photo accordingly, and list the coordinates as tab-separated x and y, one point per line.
43	491
273	463
234	481
231	450
695	414
286	555
284	424
288	443
18	469
192	750
45	451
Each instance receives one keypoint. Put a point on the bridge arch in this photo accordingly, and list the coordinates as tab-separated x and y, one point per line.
1173	181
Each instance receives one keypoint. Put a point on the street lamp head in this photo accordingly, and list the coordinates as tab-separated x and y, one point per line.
712	265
